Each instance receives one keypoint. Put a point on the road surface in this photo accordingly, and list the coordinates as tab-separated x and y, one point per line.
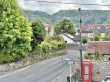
44	71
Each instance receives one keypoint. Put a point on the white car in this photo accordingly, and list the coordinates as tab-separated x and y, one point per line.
107	79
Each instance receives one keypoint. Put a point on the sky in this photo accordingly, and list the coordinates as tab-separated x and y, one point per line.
51	8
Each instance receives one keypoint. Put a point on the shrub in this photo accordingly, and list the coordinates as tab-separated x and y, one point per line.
96	38
51	45
45	47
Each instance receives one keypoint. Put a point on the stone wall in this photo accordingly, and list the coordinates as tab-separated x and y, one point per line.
17	65
100	70
28	61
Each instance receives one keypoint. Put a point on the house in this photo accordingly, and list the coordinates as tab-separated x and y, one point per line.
89	30
49	30
67	37
102	47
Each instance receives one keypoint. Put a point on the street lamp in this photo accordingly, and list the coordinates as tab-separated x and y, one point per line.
80	40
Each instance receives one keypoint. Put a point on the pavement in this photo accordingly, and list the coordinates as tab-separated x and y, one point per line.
49	70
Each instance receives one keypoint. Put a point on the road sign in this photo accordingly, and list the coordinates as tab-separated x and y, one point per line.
65	59
70	62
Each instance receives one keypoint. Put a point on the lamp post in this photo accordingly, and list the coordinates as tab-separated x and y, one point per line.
80	41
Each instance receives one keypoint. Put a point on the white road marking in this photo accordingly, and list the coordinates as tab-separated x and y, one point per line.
43	69
26	77
9	74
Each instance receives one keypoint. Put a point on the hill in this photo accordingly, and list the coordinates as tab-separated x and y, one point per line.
101	17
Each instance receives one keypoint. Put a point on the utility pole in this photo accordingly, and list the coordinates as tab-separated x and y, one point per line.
93	27
80	40
70	72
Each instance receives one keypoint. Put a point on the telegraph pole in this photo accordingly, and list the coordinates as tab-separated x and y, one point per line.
93	27
80	40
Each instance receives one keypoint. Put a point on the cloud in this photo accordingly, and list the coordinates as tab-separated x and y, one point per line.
54	7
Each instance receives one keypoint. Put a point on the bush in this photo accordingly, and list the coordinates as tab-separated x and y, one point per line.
96	38
45	47
56	38
52	45
96	57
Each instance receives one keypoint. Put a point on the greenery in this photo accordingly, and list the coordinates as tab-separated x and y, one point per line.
101	16
15	32
65	26
96	56
107	36
84	40
50	47
39	33
95	38
98	33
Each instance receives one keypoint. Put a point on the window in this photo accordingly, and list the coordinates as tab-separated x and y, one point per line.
98	27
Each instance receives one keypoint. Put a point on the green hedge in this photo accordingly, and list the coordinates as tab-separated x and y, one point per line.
51	47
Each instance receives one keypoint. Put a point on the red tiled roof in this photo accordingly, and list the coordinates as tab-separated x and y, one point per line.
94	26
102	46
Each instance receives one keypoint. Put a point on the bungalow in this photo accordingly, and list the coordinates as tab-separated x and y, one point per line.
88	30
103	47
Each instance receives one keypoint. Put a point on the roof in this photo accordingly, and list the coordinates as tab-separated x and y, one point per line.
67	39
99	27
102	46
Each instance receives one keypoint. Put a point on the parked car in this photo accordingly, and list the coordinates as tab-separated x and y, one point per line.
107	79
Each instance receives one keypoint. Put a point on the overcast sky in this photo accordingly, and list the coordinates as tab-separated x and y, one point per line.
54	7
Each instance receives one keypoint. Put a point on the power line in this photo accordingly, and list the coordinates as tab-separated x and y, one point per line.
67	3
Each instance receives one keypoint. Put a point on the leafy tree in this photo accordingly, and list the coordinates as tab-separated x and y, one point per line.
84	41
15	32
39	33
65	26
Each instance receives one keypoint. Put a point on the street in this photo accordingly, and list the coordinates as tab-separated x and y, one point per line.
44	71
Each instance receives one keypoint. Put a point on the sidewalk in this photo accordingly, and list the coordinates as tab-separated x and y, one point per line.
63	76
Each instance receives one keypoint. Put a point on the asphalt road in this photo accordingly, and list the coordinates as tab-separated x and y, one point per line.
44	71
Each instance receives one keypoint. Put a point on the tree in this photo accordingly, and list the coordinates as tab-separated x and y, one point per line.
107	36
15	32
84	41
65	26
39	33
